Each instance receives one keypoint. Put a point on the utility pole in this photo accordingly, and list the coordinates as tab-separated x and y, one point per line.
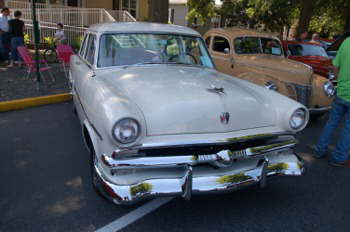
36	42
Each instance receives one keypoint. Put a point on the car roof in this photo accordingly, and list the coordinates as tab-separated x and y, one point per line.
242	32
119	27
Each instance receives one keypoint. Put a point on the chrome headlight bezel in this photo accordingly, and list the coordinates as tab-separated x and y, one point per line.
329	89
299	119
331	75
126	124
270	85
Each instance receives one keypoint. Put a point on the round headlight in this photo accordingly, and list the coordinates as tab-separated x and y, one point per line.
329	89
271	86
126	130
298	119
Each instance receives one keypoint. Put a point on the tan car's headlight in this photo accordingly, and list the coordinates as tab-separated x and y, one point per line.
329	89
126	130
299	119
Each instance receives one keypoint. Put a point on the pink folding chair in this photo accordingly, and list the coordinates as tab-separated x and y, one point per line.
64	52
31	64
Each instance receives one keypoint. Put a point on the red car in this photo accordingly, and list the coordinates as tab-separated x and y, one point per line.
310	54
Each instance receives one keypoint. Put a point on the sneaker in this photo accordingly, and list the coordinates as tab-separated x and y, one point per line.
345	164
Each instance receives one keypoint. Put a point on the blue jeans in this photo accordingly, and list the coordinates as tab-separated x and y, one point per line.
340	109
16	42
5	44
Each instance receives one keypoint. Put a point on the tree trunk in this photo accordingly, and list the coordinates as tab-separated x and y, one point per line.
2	3
306	12
347	19
159	11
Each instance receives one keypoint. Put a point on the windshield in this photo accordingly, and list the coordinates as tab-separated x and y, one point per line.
306	50
132	49
257	45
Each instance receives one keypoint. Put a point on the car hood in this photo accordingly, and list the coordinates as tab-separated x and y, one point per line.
317	62
279	67
176	99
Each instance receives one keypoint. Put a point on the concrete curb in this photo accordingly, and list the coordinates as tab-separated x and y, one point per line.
34	101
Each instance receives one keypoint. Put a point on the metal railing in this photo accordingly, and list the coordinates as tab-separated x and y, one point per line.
26	4
75	19
72	33
72	16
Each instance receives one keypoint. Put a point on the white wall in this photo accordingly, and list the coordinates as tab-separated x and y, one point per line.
180	13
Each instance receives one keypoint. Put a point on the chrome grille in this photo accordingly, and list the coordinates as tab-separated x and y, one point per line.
303	94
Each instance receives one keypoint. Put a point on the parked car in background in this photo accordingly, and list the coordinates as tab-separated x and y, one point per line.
160	120
333	48
258	57
310	54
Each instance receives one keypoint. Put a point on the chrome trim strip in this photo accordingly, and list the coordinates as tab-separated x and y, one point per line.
182	143
223	157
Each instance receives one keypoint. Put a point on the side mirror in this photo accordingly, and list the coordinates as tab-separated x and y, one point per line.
226	50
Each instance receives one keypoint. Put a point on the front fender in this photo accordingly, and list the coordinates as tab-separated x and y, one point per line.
262	79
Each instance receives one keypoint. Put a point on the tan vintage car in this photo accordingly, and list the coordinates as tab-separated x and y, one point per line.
258	57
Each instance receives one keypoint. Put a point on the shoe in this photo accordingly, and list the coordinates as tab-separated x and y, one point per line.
345	164
315	155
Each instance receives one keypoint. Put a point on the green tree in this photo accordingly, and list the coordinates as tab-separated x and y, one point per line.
273	15
200	10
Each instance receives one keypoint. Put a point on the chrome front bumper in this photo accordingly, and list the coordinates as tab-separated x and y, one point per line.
320	110
237	171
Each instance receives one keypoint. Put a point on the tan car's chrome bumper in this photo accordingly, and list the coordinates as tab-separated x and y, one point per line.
320	110
268	162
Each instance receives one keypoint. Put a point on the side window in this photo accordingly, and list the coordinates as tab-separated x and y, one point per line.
220	44
247	45
83	46
207	41
90	49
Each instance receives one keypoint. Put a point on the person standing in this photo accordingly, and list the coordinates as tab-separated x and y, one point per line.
5	38
303	36
340	110
59	35
16	29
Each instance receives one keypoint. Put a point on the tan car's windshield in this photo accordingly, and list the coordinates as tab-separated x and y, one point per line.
257	45
131	49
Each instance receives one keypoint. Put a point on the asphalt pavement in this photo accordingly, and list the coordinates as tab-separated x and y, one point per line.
45	186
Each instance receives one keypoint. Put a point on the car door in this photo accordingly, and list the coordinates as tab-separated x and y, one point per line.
77	66
85	74
221	52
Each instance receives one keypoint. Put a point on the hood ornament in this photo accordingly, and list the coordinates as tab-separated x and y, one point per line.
225	118
214	89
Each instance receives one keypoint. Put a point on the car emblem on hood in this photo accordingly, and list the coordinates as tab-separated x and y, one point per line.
225	118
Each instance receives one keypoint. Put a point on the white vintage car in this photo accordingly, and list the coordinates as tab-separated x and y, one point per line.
160	120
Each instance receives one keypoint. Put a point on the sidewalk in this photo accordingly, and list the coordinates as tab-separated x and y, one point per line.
13	84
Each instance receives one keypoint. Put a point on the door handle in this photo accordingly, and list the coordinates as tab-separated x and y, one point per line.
232	61
77	62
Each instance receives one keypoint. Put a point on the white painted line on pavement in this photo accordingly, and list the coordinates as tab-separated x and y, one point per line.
135	215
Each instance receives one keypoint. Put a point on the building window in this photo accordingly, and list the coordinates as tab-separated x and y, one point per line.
129	5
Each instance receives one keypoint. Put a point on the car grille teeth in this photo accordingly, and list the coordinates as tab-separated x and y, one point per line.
303	94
